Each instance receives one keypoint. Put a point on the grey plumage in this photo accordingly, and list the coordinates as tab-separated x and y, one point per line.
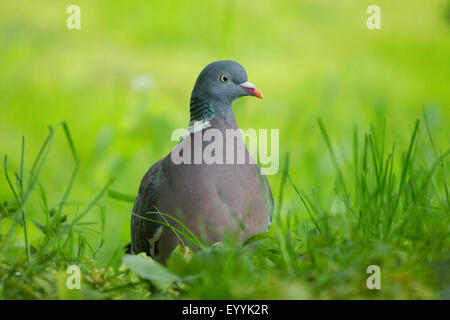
210	199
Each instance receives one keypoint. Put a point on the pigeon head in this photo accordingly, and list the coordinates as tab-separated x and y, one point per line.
216	87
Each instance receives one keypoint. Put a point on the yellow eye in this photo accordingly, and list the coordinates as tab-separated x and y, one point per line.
224	78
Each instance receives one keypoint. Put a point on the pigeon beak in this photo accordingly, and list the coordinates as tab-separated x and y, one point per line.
252	90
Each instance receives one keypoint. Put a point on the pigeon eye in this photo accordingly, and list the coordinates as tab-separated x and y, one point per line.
224	78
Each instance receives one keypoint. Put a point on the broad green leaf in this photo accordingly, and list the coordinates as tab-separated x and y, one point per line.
149	269
258	236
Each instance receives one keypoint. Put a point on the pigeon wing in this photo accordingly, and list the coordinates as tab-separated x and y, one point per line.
145	233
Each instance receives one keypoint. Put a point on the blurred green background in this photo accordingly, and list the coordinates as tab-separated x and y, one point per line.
122	82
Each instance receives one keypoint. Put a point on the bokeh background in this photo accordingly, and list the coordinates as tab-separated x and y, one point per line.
122	83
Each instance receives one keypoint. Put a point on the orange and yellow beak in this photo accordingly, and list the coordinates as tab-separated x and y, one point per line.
252	90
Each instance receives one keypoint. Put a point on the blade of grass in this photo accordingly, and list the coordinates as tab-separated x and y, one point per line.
185	235
403	176
22	207
70	225
120	196
304	203
69	140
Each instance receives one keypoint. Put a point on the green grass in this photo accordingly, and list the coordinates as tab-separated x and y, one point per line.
389	207
344	201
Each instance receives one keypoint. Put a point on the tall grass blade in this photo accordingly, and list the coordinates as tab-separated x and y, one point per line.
121	196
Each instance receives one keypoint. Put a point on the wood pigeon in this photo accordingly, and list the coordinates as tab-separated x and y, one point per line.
211	199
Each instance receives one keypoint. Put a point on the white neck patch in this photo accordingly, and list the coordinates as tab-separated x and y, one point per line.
195	126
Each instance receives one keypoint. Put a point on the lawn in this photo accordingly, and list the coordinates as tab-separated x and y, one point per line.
364	139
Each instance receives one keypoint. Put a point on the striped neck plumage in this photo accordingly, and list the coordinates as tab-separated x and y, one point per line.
201	110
